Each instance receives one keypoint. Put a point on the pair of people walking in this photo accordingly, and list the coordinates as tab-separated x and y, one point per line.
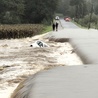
55	23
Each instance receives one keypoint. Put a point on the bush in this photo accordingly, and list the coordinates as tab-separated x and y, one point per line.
86	20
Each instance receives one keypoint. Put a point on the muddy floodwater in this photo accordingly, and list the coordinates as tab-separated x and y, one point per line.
18	60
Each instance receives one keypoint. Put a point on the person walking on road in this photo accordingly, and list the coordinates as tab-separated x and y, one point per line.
55	23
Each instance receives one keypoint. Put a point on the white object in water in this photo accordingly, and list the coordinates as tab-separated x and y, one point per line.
39	43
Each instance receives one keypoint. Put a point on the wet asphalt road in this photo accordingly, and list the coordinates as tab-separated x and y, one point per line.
74	81
69	81
68	24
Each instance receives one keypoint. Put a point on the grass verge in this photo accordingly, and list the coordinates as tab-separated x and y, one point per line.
46	29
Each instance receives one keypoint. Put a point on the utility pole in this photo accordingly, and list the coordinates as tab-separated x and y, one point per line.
91	13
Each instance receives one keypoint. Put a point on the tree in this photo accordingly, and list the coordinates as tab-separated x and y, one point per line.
27	11
80	7
37	11
12	11
96	9
63	7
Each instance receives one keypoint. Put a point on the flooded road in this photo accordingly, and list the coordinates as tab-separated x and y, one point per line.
18	60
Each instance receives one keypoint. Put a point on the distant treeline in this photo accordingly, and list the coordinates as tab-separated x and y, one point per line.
27	11
77	8
84	12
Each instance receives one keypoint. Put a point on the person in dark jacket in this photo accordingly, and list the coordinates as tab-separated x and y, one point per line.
54	24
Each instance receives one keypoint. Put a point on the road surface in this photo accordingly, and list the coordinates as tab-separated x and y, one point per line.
68	81
69	25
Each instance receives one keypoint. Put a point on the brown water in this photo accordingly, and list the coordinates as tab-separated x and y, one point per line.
18	60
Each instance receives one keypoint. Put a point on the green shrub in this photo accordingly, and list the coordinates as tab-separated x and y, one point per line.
86	21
